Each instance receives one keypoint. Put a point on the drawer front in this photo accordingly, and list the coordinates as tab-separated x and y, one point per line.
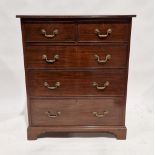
76	83
106	56
77	112
51	57
49	32
104	32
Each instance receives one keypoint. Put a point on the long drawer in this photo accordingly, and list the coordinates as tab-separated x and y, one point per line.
43	83
51	57
107	111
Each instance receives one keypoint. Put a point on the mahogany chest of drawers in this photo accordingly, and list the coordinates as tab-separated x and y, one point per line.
76	71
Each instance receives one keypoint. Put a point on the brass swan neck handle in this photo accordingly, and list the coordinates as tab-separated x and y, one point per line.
55	58
101	35
101	114
53	115
52	35
105	85
57	84
107	57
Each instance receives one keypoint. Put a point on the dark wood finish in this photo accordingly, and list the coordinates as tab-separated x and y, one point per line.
85	55
35	132
76	56
34	34
76	69
78	112
87	32
67	57
76	83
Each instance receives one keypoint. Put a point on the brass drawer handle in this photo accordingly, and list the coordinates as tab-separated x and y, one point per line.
100	35
57	84
108	57
54	33
55	58
106	84
99	115
53	115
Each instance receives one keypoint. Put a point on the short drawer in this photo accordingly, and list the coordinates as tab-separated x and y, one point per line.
50	57
104	32
76	83
60	57
108	111
102	56
49	32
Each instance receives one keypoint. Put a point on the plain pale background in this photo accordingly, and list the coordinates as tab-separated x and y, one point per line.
139	114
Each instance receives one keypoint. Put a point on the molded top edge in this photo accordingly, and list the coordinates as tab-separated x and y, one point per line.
74	16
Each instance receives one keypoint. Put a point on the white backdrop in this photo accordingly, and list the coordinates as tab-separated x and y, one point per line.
139	119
